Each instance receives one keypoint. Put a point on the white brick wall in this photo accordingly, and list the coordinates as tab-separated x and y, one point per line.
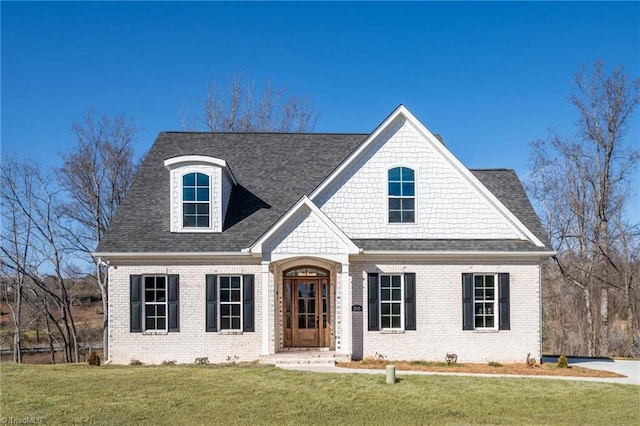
192	340
447	205
439	315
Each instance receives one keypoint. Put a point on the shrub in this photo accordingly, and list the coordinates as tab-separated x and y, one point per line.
380	357
563	362
94	359
531	362
451	359
203	360
170	362
135	362
494	364
233	359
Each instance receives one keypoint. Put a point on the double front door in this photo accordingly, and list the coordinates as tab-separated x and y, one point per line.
307	322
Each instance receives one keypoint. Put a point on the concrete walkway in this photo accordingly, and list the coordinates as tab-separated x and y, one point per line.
631	369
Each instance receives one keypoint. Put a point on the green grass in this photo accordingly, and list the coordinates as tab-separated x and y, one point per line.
257	395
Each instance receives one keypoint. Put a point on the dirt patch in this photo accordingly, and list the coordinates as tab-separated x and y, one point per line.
548	369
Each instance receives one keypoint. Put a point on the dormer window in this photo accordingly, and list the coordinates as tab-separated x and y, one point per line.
200	190
196	205
402	195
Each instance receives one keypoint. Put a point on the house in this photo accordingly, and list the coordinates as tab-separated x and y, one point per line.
253	246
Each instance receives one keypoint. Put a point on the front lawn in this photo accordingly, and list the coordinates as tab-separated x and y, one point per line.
256	395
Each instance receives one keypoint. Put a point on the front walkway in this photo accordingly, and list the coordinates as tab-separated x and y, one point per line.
631	369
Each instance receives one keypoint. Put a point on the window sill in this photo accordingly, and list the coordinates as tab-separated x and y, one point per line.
155	333
391	331
230	332
486	331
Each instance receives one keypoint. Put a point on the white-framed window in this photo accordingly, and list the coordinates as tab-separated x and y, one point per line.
485	301
155	303
401	195
196	200
391	302
230	288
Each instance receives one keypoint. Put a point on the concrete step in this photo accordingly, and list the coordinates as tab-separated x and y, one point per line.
304	358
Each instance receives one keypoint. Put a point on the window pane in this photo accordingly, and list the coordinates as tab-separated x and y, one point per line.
478	308
394	203
150	311
235	295
408	216
478	280
489	281
189	208
394	174
189	179
408	189
235	282
311	321
225	323
395	322
386	322
149	295
395	309
235	310
489	321
301	306
203	194
235	323
385	308
188	194
394	216
161	310
311	306
396	294
394	189
202	209
395	281
385	294
225	310
202	222
188	221
161	323
302	322
385	280
150	324
489	294
203	180
225	296
224	282
160	296
408	203
407	174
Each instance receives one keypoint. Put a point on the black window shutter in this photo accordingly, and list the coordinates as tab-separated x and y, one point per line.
248	305
410	301
373	289
174	304
212	302
504	322
135	303
467	302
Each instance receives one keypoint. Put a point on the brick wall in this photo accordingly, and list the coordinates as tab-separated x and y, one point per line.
192	340
439	315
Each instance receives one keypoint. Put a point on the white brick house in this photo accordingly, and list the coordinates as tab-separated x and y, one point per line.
247	246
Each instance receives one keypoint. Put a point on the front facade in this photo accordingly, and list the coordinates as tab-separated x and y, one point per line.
241	247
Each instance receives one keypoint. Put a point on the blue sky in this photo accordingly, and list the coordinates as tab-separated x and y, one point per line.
489	77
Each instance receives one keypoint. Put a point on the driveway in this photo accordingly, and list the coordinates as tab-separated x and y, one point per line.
631	369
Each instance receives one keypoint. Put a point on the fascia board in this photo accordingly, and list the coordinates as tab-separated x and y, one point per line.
458	255
183	160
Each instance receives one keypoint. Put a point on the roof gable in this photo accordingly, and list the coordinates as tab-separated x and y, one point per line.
451	202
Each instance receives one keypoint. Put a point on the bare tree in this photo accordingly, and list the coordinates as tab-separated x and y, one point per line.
96	175
583	184
236	107
37	242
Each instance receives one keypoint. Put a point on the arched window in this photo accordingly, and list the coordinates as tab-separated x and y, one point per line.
196	207
402	195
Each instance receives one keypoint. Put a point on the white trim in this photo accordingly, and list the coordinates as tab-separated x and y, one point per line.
461	254
496	306
403	113
220	302
415	195
345	300
187	160
332	228
266	314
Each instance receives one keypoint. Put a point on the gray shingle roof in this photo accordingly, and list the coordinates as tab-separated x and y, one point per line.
273	171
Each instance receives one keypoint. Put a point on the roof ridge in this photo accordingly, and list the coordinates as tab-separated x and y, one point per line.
263	133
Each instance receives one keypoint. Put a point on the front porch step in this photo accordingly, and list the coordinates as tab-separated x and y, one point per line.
304	357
